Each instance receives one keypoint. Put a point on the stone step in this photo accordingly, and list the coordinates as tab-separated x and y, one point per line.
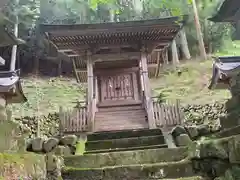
127	149
228	132
123	134
147	156
189	178
156	171
125	142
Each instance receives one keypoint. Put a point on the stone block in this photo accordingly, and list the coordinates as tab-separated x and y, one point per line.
62	151
37	144
183	140
50	144
178	130
69	140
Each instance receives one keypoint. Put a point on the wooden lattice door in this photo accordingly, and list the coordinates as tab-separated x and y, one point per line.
117	87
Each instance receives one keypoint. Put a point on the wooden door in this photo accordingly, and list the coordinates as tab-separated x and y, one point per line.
120	88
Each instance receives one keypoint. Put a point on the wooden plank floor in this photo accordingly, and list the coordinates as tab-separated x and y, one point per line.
121	118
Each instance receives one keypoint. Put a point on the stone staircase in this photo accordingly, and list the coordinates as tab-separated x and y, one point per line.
129	155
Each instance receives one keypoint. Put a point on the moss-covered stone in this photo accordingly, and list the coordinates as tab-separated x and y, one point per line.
29	165
178	130
210	149
183	140
123	134
68	140
62	151
50	144
126	158
37	144
125	142
192	132
228	132
234	149
140	172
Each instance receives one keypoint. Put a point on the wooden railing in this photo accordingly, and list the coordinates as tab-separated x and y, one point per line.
167	115
74	120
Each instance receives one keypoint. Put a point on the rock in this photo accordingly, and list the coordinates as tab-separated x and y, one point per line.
62	151
183	140
203	130
69	140
178	130
37	144
50	144
192	132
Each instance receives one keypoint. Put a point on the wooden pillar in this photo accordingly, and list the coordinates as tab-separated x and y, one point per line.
175	59
96	89
90	80
184	44
165	56
90	89
147	89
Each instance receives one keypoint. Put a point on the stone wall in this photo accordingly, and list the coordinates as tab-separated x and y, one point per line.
194	114
217	159
204	114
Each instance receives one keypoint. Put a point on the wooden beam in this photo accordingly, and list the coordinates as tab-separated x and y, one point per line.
116	56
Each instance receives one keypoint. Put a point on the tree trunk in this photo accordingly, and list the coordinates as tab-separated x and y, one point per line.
175	59
199	32
3	112
184	44
112	15
14	48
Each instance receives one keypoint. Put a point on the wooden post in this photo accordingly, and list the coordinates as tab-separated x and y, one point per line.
60	67
159	54
199	32
147	89
90	90
175	59
90	76
184	44
165	58
96	89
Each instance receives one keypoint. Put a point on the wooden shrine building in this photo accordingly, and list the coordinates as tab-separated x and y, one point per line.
116	55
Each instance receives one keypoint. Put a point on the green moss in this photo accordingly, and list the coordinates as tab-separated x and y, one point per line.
17	165
80	147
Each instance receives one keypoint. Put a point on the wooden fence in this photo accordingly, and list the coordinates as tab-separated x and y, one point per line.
73	121
167	115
